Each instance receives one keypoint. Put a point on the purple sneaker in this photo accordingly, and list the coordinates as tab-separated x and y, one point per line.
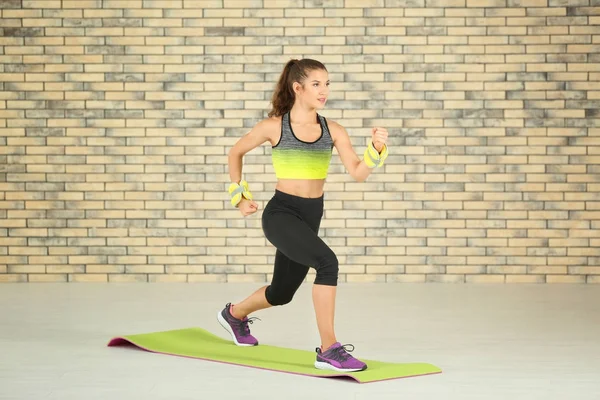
336	358
237	328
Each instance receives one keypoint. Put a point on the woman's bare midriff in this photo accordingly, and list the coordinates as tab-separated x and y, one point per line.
309	188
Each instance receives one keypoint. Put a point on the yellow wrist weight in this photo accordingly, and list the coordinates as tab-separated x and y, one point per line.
373	158
237	191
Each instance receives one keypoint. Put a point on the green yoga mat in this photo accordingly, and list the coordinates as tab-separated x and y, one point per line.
198	343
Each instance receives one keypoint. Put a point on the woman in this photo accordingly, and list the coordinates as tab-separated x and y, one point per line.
302	142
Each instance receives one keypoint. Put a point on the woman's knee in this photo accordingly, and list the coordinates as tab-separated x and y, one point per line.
278	296
327	270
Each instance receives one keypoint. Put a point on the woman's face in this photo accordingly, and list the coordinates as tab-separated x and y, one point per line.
314	91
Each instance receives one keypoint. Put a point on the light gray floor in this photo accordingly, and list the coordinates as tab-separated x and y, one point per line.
492	341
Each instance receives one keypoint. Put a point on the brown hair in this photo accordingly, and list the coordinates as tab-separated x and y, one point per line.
294	71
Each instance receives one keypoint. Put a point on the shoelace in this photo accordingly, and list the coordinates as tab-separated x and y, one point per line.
341	353
243	328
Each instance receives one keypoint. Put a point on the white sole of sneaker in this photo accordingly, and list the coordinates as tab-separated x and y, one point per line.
226	326
329	367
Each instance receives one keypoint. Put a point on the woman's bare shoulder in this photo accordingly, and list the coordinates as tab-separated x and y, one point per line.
336	129
269	128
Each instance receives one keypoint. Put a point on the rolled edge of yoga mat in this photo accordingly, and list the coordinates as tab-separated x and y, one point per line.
367	376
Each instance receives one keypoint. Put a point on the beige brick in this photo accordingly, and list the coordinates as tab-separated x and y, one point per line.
439	278
26	269
383	269
240	278
275	3
525	279
163	4
13	278
445	3
14	13
41	4
40	22
104	269
416	12
365	278
565	279
425	269
12	77
88	277
141	270
129	278
405	278
167	278
507	269
124	4
203	278
460	269
482	279
585	270
55	278
144	50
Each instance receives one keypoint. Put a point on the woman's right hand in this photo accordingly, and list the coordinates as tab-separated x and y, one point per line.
247	207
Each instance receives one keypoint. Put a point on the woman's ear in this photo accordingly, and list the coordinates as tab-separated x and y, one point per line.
296	87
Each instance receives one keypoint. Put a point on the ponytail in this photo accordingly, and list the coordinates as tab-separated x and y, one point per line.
294	71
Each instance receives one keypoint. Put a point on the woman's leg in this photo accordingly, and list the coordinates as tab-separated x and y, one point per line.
302	245
324	303
287	278
256	301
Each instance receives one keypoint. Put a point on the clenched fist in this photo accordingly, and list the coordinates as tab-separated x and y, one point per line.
247	207
379	138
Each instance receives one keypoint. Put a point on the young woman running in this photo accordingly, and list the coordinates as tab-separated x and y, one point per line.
302	142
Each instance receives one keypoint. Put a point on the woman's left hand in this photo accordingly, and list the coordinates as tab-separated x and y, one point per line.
379	138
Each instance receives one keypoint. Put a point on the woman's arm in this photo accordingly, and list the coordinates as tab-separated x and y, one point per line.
238	189
256	137
357	168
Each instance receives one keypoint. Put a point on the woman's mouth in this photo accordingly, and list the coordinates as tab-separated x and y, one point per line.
323	100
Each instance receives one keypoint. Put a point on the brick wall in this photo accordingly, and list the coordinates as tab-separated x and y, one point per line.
116	118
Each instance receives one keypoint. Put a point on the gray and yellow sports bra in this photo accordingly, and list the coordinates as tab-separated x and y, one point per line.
296	159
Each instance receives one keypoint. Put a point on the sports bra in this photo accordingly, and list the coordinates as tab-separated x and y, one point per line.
296	159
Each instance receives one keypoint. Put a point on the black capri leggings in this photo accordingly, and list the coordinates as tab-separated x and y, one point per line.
291	224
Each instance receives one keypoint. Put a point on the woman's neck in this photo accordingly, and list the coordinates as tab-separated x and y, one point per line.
302	115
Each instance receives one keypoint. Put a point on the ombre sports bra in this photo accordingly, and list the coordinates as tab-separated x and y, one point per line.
296	159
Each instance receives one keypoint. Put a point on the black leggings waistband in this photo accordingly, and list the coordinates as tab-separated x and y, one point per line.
279	195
